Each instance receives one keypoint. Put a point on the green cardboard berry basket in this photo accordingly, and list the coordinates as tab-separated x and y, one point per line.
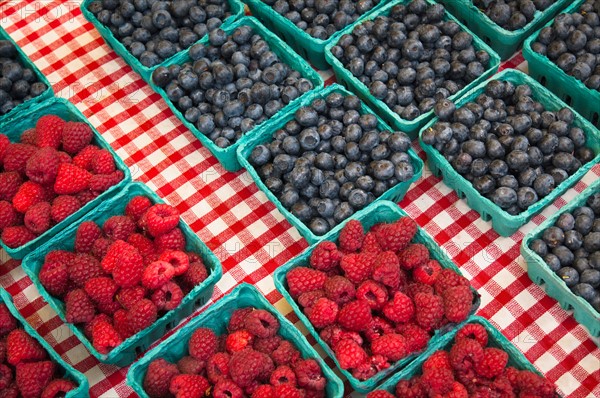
66	370
25	119
583	99
395	193
505	42
382	212
504	223
27	63
308	47
410	127
235	7
496	339
227	155
540	274
216	318
127	352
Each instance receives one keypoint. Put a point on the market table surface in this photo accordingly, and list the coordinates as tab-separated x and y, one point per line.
244	229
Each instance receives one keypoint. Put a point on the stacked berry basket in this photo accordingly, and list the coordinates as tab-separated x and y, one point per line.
342	259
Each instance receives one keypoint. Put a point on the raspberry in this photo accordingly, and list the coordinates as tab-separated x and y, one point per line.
28	195
84	267
137	206
60	256
303	279
5	377
100	249
32	378
535	385
203	344
282	375
49	131
7	323
323	313
465	354
377	328
372	293
121	324
79	307
160	219
130	295
11	391
190	365
414	255
227	389
4	142
143	245
492	364
429	310
473	331
438	380
189	386
84	158
457	303
102	182
351	236
413	288
387	270
37	218
71	179
410	389
17	236
141	315
63	206
308	299
88	328
172	240
285	354
427	272
76	136
261	323
370	367
168	297
399	309
236	322
267	345
119	227
416	337
64	157
17	155
129	267
8	215
217	366
264	391
448	278
391	346
458	391
21	347
325	257
287	391
102	162
439	359
101	290
380	394
178	260
9	185
309	375
157	274
357	267
339	289
238	340
370	244
246	366
396	236
86	235
349	354
58	388
42	166
55	278
86	196
355	316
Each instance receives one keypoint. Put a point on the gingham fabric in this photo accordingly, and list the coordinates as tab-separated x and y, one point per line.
244	229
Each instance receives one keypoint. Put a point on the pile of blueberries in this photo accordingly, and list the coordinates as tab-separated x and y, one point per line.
154	30
508	145
17	83
411	58
572	42
331	160
571	249
230	85
512	14
322	18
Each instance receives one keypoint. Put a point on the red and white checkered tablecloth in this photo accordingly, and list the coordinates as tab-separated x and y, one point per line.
244	229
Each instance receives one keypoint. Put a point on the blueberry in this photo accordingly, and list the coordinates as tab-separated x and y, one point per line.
552	262
566	222
508	181
581	264
585	291
543	184
539	247
591	242
526	197
302	210
553	237
583	224
569	275
342	212
319	226
329	189
591	277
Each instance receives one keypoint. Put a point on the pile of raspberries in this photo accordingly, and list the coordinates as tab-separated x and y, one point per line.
471	369
376	298
123	276
249	360
25	369
50	174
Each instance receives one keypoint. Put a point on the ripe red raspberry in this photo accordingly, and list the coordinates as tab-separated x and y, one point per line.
17	155
102	182
439	359
71	179
60	256
189	386
349	354
387	270
339	289
21	347
391	346
158	378
88	328
157	274
195	274
410	389
190	365
160	219
370	244
465	354
416	337
4	142
264	391
141	315
370	367
100	249
246	366
414	255
309	375
32	378
28	195
7	324
8	215
261	323
323	313
427	272
429	310
86	196
358	267
79	307
217	366
236	322
438	380
144	245
84	267
285	354
17	236
399	309
137	206
373	293
121	324
203	344
37	218
267	345
49	131
58	388
227	389
64	157
102	162
308	299
351	236
84	158
172	240
42	166
492	364
119	227
325	257
238	340
473	331
76	136
9	185
287	391
303	279
458	391
130	295
63	206
412	289
282	375
101	290
378	328
168	297
534	385
380	394
355	316
458	302
177	259
129	268
448	278
86	235
396	236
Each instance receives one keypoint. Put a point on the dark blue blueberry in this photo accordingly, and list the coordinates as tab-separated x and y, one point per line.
553	236
568	275
552	261
539	247
342	212
504	197
526	196
319	226
585	291
591	242
565	256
